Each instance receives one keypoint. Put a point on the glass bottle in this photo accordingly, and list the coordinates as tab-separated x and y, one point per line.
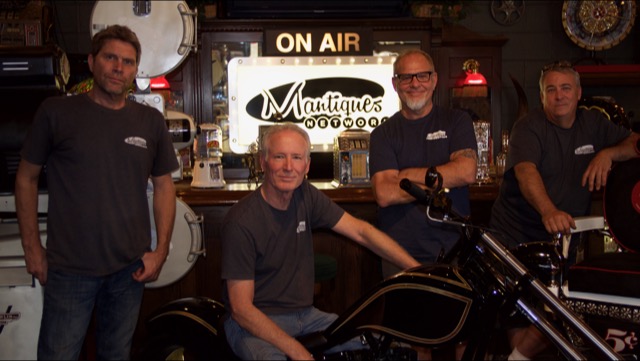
501	158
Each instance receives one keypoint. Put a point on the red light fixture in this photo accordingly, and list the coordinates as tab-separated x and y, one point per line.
474	77
160	83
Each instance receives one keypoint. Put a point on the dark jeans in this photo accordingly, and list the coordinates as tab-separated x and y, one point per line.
69	300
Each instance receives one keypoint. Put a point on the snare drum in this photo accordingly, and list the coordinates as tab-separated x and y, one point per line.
166	31
185	246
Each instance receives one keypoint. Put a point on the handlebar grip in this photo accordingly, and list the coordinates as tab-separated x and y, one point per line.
415	191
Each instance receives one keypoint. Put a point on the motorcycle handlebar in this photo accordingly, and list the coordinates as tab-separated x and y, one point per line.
536	286
416	192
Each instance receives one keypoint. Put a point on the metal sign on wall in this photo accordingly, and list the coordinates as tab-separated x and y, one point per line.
324	95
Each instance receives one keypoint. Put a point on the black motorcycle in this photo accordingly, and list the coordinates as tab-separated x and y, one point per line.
436	305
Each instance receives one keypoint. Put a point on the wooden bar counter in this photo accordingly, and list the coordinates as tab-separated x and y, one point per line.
358	268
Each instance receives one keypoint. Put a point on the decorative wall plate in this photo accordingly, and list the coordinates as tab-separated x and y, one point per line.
598	25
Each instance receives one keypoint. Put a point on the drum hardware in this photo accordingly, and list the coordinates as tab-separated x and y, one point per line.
167	31
187	243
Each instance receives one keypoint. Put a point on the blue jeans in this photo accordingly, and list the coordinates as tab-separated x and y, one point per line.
69	300
248	347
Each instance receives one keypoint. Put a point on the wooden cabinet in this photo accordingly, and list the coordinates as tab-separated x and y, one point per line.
456	46
609	75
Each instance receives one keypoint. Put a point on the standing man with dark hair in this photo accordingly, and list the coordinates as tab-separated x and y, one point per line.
99	150
267	252
558	155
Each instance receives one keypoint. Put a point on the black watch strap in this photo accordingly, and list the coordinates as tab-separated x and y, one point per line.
432	177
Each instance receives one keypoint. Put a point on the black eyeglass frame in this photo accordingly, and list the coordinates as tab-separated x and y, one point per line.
408	78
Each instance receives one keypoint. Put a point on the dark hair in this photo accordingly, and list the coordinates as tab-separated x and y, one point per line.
116	32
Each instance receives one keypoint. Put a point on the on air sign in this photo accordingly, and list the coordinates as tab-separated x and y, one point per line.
306	42
325	96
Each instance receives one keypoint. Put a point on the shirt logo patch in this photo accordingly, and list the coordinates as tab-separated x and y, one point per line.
302	226
440	134
585	149
137	141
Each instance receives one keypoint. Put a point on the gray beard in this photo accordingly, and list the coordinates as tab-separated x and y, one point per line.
416	105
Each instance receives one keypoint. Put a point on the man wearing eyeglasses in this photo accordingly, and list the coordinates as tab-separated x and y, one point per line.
558	155
434	147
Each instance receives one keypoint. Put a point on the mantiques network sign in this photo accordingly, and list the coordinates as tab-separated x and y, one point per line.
324	95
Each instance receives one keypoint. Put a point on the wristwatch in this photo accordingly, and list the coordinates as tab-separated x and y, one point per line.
432	177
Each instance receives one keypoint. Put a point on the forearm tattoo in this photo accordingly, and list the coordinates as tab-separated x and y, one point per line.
469	153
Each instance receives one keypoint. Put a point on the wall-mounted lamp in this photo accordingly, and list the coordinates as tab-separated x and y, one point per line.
475	84
160	83
474	77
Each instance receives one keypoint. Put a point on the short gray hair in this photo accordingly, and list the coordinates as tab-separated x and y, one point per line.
410	52
564	67
281	127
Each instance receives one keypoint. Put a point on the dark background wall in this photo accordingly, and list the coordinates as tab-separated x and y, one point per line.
535	39
539	38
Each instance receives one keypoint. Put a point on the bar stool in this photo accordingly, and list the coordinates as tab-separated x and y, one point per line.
326	269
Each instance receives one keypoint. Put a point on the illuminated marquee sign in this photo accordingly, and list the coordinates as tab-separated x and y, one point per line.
324	95
319	42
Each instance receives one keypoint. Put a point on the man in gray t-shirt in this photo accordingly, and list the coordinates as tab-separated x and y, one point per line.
99	150
267	252
557	156
419	142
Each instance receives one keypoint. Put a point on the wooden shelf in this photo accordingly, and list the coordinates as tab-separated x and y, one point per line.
609	75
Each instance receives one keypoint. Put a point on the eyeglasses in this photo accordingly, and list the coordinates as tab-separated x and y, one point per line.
423	77
557	65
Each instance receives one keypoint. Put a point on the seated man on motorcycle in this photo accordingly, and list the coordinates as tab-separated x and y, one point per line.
557	156
267	253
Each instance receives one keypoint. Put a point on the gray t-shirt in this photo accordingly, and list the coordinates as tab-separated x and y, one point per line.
561	156
398	144
275	248
98	162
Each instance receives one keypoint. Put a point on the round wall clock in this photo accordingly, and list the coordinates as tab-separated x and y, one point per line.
598	25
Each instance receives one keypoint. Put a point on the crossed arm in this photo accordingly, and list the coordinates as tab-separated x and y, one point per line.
459	171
